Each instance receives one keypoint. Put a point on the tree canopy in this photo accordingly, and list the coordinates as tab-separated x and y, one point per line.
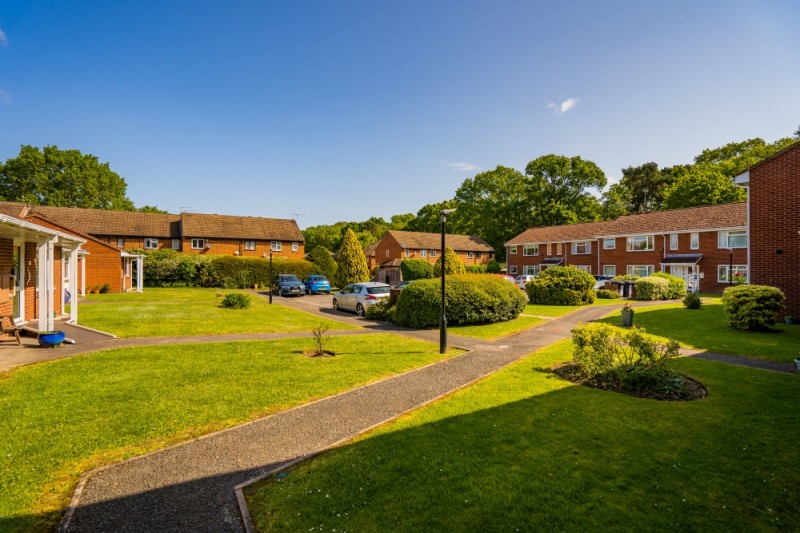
321	257
702	185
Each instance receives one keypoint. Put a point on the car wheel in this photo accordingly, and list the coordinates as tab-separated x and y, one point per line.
335	304
360	310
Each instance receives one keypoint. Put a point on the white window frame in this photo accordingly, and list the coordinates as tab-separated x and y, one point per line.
433	253
738	270
512	269
694	240
295	246
249	246
387	252
530	270
526	250
610	240
150	244
549	249
470	255
176	244
586	244
585	268
558	248
630	270
276	246
635	243
198	244
724	238
673	241
120	242
423	253
406	252
612	268
512	250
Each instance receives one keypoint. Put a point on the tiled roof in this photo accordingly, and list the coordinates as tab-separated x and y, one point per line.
369	251
12	209
235	227
113	223
421	241
689	219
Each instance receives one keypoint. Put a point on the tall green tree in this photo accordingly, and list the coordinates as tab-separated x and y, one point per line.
615	202
494	205
65	178
321	257
427	219
560	189
646	185
736	157
351	261
702	185
399	222
453	264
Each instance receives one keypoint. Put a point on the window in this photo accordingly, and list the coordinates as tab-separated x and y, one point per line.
276	246
609	244
477	255
673	241
642	243
733	239
295	246
549	249
406	252
423	253
581	247
512	250
151	244
530	249
433	253
469	255
387	252
585	268
530	270
250	245
610	270
694	241
640	270
198	244
512	269
558	249
739	274
176	244
120	242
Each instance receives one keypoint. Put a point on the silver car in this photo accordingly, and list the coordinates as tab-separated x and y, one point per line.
523	280
359	296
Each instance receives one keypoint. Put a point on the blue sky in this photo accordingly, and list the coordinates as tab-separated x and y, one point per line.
346	110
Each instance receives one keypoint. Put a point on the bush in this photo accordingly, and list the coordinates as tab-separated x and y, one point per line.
412	269
323	261
170	268
625	277
236	300
752	307
453	263
651	288
382	310
607	294
692	301
471	299
476	269
493	267
676	288
562	286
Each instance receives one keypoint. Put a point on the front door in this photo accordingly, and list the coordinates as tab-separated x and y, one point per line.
684	272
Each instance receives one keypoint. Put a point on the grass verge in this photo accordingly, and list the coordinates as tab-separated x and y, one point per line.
159	312
498	329
62	418
523	450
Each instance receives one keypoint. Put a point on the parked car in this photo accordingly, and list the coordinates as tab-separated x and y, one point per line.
289	284
523	280
600	281
359	297
402	285
510	279
316	283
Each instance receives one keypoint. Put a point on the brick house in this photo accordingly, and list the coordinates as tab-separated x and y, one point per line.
35	261
243	236
773	204
398	245
702	245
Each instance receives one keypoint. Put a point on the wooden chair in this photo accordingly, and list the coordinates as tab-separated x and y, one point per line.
10	330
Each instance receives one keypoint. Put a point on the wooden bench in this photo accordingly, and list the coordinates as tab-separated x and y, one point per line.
11	331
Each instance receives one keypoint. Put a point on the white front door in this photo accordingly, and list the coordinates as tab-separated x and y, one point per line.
684	272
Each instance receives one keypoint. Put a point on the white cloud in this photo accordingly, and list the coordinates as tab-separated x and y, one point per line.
5	97
3	38
462	167
564	106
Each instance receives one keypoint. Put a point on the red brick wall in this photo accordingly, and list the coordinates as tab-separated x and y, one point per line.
231	246
774	200
6	263
398	252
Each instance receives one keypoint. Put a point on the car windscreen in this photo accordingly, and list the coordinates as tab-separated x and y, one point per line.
378	290
289	277
319	278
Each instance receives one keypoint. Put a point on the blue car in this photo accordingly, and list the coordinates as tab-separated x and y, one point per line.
316	283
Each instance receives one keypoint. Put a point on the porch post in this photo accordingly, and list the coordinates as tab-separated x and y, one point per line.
44	274
74	256
83	274
139	273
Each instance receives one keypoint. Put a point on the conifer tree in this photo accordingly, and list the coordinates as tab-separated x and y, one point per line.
454	264
321	257
352	263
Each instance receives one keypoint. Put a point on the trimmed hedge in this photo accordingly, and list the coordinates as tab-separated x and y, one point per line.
752	307
606	294
676	288
476	269
471	299
412	269
651	288
562	286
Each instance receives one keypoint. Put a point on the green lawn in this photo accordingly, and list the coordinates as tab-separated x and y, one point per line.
498	329
525	451
173	312
561	310
61	418
707	329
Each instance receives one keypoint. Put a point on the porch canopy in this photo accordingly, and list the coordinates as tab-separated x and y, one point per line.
688	265
552	261
46	239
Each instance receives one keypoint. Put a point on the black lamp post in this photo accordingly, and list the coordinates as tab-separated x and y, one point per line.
730	266
443	318
270	272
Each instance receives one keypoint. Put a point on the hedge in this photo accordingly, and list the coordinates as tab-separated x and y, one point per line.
412	269
651	288
476	269
752	307
561	286
470	299
677	286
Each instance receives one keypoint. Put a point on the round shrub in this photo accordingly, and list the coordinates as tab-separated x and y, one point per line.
676	288
236	300
493	267
692	301
752	307
454	265
651	288
607	294
562	286
471	299
382	310
412	269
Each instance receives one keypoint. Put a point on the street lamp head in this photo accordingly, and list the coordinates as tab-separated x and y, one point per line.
447	211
